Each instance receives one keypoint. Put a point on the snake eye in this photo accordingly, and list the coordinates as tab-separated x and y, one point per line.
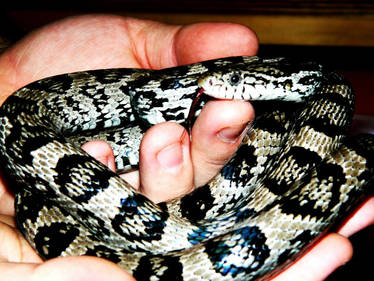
234	79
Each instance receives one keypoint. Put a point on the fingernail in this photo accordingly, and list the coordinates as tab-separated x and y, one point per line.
171	157
233	133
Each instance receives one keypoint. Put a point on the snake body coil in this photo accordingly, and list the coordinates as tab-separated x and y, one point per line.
295	176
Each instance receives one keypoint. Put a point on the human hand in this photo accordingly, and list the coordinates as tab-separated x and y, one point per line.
93	42
105	42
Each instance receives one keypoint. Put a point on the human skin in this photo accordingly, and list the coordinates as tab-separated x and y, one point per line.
105	41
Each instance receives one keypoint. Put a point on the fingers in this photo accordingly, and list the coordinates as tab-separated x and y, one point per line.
6	199
159	45
360	219
14	247
167	170
216	135
324	258
332	252
108	41
82	43
205	41
64	269
165	162
102	152
18	261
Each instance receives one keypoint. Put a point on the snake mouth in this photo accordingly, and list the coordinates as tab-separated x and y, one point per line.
207	81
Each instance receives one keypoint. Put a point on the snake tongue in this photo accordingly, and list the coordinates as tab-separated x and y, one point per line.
191	114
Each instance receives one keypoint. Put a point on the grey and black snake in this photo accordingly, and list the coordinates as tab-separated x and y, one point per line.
296	175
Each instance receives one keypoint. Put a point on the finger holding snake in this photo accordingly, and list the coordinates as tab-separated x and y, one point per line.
288	279
30	58
33	57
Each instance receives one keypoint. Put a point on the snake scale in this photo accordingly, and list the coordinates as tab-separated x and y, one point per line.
296	175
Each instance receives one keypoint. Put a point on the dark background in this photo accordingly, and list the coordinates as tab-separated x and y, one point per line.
336	33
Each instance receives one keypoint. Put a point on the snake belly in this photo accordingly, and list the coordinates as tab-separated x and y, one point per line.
296	175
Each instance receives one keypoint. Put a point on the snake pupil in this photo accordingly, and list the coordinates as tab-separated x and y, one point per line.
234	79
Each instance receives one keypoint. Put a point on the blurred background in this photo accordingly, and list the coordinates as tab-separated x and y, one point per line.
337	33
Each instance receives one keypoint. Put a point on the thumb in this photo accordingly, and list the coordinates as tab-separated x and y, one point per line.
65	269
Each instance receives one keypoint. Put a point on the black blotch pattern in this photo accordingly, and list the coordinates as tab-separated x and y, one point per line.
144	270
233	170
199	235
328	172
292	65
137	85
153	224
18	130
214	64
334	174
303	157
310	80
23	105
13	138
32	144
142	101
106	76
131	204
325	126
277	187
126	89
306	236
55	83
178	71
71	102
272	115
171	266
174	114
170	83
52	240
363	144
195	205
251	239
333	78
93	221
270	125
244	214
31	205
69	171
205	231
103	252
297	242
28	181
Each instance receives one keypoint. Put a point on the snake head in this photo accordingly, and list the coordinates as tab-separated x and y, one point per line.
262	79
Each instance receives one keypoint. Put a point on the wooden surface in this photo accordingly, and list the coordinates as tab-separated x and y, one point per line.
321	30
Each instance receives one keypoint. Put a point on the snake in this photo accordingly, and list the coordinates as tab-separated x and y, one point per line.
297	174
